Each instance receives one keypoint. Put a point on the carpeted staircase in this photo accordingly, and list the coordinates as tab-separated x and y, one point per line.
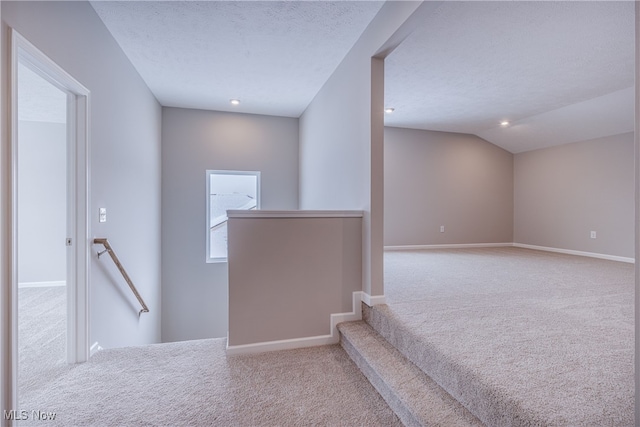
401	369
415	398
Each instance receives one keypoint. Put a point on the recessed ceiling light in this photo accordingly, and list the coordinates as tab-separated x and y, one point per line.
235	102
504	123
389	110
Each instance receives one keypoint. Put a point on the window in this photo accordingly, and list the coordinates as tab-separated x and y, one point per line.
227	190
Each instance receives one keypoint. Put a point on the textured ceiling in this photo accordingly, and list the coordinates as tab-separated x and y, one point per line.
558	71
273	56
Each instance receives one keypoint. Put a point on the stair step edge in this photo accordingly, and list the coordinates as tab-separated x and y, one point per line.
423	401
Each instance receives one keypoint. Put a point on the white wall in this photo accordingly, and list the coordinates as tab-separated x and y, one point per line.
563	193
42	203
195	293
458	181
125	161
340	156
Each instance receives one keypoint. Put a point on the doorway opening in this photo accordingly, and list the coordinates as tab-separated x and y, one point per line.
49	205
42	157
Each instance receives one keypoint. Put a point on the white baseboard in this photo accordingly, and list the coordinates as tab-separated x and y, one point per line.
42	284
375	300
263	347
451	246
332	338
579	253
516	245
94	349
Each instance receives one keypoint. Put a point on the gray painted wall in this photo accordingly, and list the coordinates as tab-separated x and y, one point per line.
458	181
341	160
318	262
195	294
42	208
125	161
563	193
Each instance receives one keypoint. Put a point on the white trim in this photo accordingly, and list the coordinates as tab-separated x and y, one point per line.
209	172
373	300
294	214
6	386
79	190
280	345
49	284
95	347
516	245
451	246
578	253
332	338
13	209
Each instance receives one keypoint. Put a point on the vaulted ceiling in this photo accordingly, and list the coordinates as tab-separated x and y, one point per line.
559	72
273	56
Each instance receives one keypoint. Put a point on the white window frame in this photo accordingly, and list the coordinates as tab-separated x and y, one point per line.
210	172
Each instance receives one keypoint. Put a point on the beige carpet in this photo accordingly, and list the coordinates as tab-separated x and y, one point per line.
42	323
194	383
520	337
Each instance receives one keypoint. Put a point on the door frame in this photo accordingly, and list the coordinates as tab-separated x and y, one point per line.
78	197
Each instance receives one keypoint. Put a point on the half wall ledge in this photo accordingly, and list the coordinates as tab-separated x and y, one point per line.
294	214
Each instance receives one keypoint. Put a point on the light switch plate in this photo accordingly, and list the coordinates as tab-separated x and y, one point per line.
103	215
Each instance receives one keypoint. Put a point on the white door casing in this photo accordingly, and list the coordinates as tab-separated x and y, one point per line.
78	256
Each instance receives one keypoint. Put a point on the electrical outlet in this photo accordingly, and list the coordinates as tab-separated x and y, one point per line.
593	234
442	228
103	215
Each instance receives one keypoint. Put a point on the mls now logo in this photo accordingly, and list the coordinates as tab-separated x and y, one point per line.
15	415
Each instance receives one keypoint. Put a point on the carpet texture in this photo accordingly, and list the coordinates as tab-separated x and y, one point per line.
195	383
413	396
42	323
520	337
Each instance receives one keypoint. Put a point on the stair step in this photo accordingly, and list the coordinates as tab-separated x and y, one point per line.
411	394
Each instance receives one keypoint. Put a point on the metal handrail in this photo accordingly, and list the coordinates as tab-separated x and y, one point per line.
107	248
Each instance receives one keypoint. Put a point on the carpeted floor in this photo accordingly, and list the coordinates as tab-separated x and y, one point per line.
194	383
547	334
550	335
42	322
